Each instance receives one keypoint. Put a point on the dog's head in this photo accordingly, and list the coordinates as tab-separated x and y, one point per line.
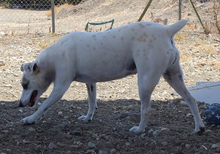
33	84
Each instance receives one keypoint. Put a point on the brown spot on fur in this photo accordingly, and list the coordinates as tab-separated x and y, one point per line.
133	38
63	54
93	35
132	29
122	38
151	41
141	39
141	25
103	36
145	35
94	48
104	62
114	36
88	45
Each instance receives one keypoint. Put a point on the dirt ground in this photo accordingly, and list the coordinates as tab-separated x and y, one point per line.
170	124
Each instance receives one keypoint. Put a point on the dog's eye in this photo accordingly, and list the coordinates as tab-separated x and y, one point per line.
25	86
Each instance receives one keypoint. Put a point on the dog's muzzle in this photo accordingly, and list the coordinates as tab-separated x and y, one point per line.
31	101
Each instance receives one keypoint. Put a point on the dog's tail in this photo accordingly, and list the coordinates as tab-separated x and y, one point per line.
174	28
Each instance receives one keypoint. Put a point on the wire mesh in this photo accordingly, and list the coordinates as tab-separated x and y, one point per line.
35	16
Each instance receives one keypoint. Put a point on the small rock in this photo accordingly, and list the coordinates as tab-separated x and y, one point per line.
61	144
52	146
79	108
2	33
113	151
164	143
127	143
60	113
91	145
208	131
101	152
142	135
183	102
77	131
4	131
150	131
188	115
25	142
31	129
156	133
214	146
164	129
187	146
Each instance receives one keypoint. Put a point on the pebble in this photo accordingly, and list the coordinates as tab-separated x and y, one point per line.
60	113
127	143
214	146
113	151
52	146
4	131
31	129
143	134
156	133
79	108
183	102
77	131
164	143
61	144
187	146
25	142
91	145
188	115
150	131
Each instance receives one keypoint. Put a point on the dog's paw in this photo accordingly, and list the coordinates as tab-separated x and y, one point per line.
28	121
201	131
137	130
85	118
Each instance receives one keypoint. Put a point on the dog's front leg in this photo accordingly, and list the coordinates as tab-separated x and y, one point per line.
55	96
91	89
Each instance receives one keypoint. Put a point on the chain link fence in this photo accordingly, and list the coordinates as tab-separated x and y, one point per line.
35	16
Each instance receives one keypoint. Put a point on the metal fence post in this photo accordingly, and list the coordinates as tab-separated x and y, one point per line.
180	3
53	16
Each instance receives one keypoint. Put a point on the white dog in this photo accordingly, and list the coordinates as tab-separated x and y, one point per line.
143	47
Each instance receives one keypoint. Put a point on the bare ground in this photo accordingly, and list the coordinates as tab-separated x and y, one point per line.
170	125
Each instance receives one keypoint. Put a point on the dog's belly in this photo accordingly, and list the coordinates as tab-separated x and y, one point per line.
104	70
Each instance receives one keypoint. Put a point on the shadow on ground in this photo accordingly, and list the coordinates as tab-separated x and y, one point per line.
169	129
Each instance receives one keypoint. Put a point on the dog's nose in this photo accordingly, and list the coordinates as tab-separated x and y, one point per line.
20	104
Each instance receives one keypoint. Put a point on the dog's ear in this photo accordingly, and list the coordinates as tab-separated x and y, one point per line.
30	68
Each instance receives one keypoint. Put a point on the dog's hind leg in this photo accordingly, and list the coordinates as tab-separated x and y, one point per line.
91	89
146	84
174	77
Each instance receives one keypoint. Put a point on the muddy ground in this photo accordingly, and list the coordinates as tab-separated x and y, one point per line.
170	124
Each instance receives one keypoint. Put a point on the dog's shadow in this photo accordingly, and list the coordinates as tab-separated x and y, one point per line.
123	112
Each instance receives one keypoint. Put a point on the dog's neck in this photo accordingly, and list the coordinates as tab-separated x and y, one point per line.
46	66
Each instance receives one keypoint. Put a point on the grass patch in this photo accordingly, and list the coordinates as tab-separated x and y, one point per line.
180	36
